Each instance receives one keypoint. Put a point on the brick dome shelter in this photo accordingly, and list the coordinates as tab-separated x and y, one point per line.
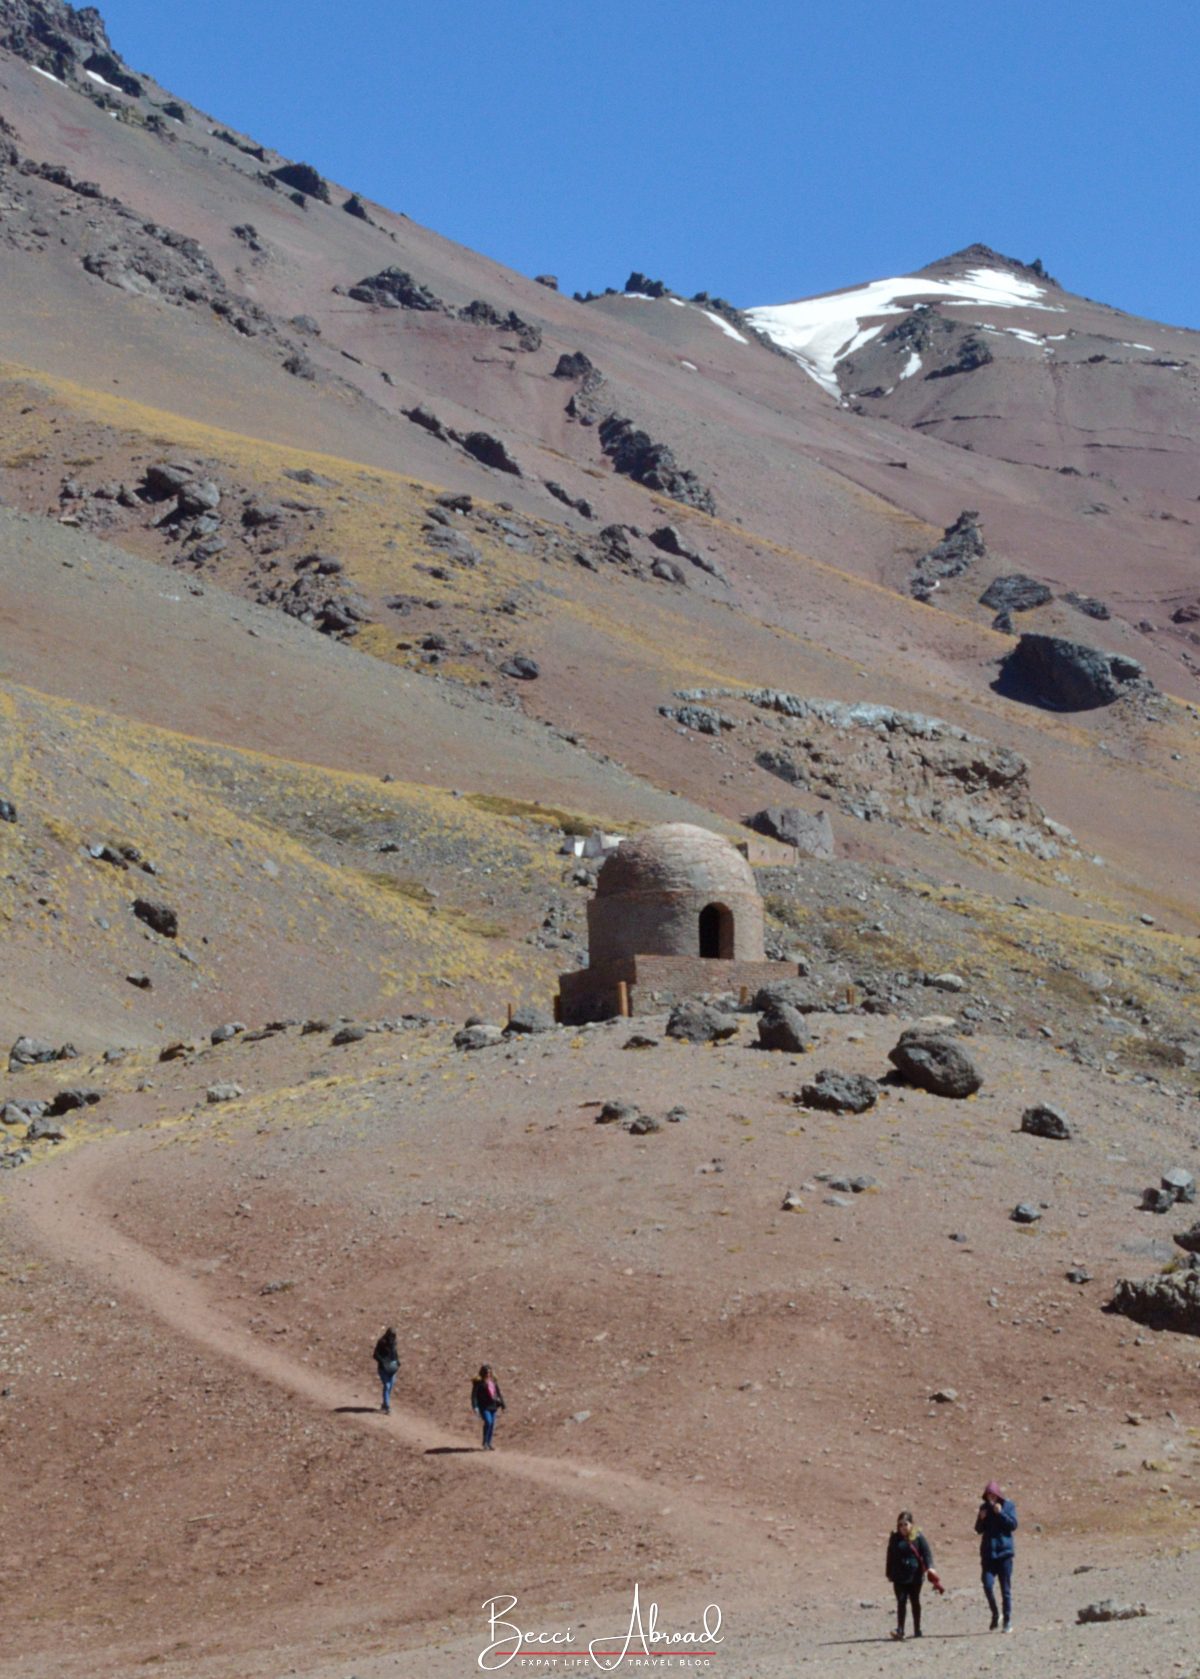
676	912
677	890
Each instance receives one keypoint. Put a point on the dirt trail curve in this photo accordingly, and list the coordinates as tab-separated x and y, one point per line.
64	1206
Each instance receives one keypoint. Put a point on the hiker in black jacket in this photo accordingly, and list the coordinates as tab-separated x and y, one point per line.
909	1559
486	1400
387	1362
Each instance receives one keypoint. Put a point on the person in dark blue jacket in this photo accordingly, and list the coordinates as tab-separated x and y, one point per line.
995	1524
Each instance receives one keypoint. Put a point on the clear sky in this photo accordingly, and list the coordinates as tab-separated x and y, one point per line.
759	149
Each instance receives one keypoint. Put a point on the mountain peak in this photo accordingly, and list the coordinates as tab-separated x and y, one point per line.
63	41
985	256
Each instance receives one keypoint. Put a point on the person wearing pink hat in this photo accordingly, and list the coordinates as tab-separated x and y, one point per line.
995	1524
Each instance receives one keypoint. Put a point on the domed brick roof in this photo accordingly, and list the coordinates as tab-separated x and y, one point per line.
676	858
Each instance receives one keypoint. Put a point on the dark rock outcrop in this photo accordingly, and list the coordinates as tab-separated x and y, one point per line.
971	353
636	455
1163	1302
302	177
528	336
1066	675
395	288
935	1064
491	451
63	40
574	365
961	545
1015	593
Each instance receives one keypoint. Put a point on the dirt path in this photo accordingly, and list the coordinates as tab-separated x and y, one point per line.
65	1207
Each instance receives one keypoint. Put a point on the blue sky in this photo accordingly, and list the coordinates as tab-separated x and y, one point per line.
761	150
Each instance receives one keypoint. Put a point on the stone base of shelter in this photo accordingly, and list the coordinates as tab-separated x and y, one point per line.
636	985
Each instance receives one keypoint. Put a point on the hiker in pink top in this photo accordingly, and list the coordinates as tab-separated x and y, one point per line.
486	1400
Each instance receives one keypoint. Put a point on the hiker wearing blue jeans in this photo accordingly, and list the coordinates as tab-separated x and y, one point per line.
995	1524
486	1400
387	1363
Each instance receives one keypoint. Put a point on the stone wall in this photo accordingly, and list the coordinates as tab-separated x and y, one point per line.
656	983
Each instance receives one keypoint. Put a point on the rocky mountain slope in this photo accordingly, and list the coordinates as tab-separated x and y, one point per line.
346	577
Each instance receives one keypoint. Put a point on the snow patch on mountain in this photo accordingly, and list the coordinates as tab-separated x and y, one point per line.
820	332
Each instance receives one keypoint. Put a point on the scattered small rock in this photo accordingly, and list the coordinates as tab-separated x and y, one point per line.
481	1036
222	1034
223	1093
1025	1213
1045	1121
617	1112
159	917
523	668
643	1125
1108	1609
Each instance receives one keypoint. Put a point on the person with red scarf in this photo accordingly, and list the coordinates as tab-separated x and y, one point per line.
909	1560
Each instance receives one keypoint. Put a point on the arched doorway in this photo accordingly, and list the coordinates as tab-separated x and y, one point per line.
716	932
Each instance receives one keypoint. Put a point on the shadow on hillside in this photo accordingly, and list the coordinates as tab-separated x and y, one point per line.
356	1411
449	1451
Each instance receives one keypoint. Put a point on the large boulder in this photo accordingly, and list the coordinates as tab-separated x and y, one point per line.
1189	1240
1163	1302
700	1023
1066	675
935	1064
782	1027
810	831
839	1092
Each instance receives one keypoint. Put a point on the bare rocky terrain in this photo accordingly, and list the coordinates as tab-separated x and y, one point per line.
347	578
